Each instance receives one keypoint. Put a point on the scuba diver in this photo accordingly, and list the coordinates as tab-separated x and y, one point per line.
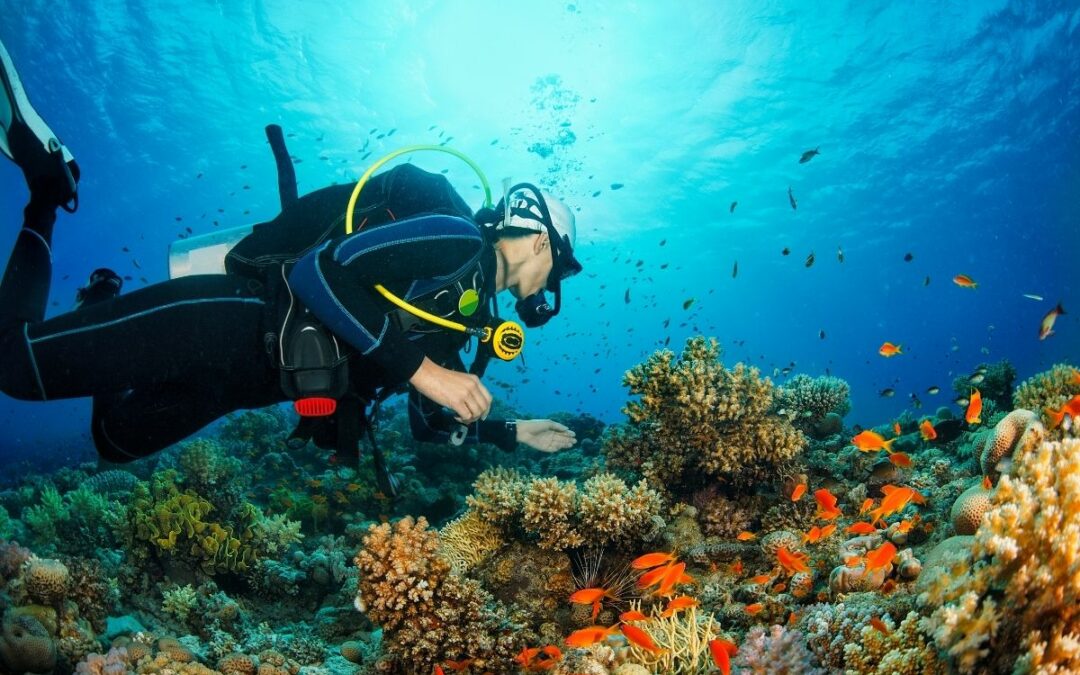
309	309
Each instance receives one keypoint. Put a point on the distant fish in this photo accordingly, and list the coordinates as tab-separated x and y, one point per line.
735	270
908	257
596	194
961	401
887	392
977	378
791	198
821	334
786	251
808	155
889	350
687	303
626	296
915	402
616	186
1046	328
810	260
933	390
663	241
964	281
1032	296
840	254
926	281
731	209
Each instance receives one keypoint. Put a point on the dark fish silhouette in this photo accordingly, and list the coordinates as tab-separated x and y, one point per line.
786	251
732	208
926	281
887	392
735	270
908	257
626	297
809	155
686	303
663	241
821	334
810	260
947	430
791	198
616	186
840	254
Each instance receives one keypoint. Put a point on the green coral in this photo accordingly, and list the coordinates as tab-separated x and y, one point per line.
205	464
179	601
6	526
696	420
1048	389
170	522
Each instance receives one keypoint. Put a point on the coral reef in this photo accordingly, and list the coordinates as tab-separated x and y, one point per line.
469	540
968	509
25	645
1014	607
696	419
1048	389
1020	429
776	651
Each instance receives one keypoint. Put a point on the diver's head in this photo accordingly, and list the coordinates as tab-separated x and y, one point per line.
535	232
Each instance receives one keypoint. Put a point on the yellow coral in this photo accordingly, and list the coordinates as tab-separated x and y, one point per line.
903	651
968	509
469	540
1018	430
695	416
547	512
1048	389
1021	595
683	639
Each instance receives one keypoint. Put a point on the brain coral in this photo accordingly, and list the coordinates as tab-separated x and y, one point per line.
696	419
1015	608
25	645
807	400
1018	429
46	580
969	507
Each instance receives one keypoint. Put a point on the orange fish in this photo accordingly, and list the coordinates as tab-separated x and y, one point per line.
632	615
722	651
792	562
761	579
867	504
437	670
871	441
905	526
653	576
737	567
1046	328
879	625
880	556
458	666
812	536
587	596
987	483
927	430
793	619
896	498
640	638
901	459
526	655
798	492
828	530
650	560
889	350
587	637
551	651
974	408
896	428
964	281
889	586
746	536
754	608
678	603
861	528
853	561
826	500
672	578
1071	408
779	588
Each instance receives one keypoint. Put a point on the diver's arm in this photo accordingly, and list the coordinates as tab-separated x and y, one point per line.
431	423
336	281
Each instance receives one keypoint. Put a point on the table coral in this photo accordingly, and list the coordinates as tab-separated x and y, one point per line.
696	419
1020	598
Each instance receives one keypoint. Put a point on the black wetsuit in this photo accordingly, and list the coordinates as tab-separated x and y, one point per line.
164	361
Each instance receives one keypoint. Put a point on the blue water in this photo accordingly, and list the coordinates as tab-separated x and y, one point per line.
949	133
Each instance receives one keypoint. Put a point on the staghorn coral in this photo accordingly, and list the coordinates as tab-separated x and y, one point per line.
1048	389
807	400
497	495
1019	430
696	419
683	639
779	651
428	613
469	540
1015	606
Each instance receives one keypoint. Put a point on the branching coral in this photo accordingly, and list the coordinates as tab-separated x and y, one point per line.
683	639
205	463
1021	595
1048	389
696	419
807	400
179	602
469	540
561	516
428	613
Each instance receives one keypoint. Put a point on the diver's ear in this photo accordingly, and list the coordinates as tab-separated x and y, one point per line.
541	243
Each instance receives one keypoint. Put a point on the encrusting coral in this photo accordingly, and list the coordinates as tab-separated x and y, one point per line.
696	420
1018	430
1016	606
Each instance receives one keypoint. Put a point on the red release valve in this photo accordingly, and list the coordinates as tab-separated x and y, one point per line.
316	406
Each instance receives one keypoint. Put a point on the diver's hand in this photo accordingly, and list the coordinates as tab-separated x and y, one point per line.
545	435
461	392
